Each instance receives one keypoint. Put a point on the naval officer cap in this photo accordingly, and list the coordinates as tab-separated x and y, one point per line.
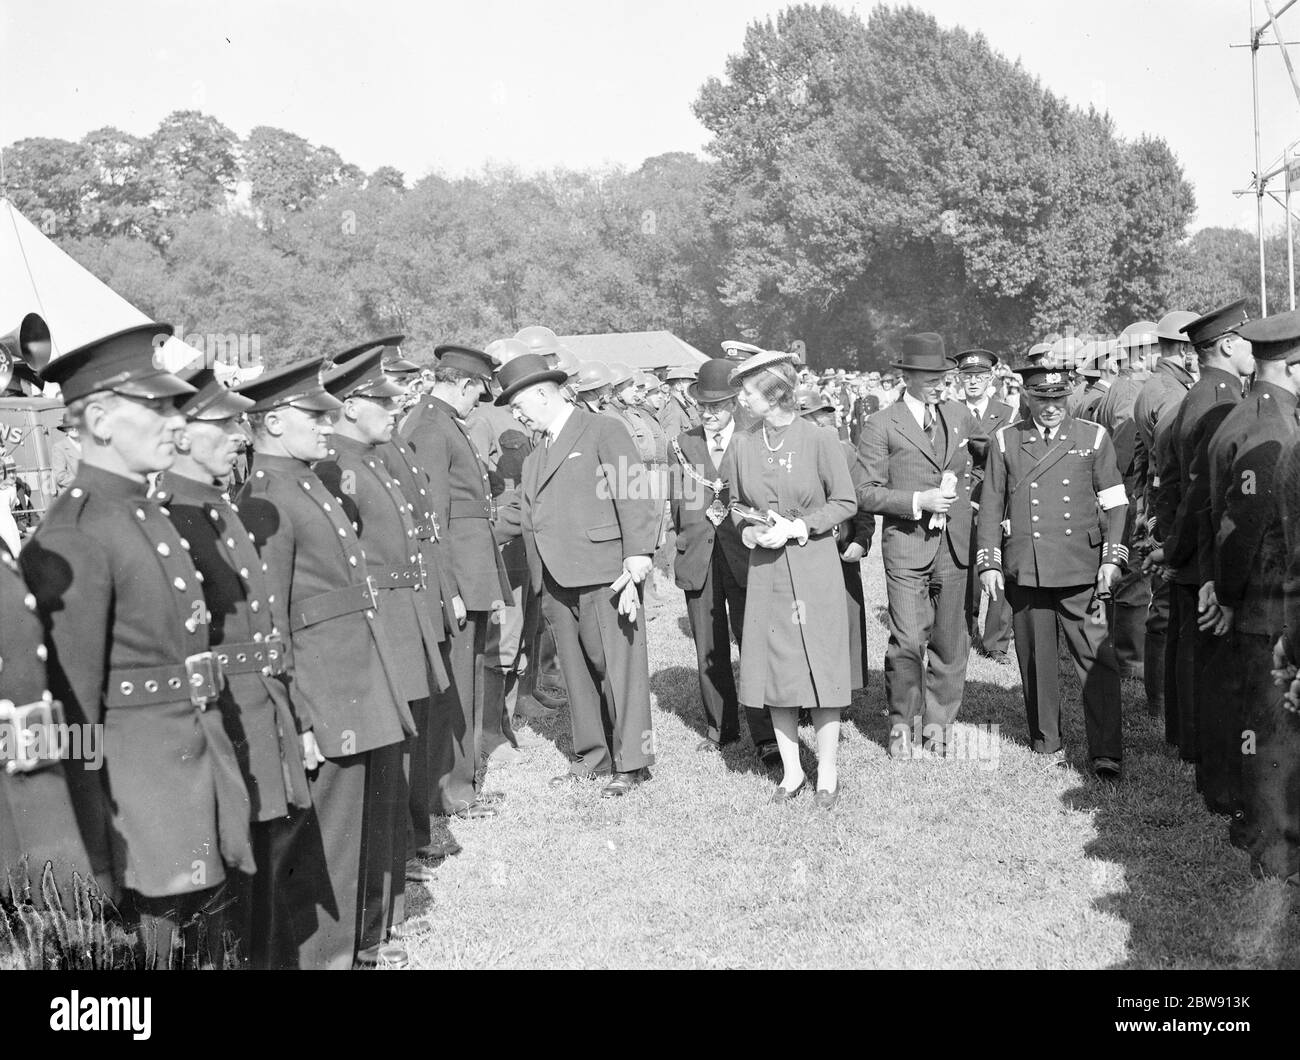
976	362
212	400
1275	338
125	362
467	359
1045	381
297	384
1216	323
735	350
362	376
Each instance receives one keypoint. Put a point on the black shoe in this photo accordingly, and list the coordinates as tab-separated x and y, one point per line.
418	872
707	745
383	955
1107	769
475	811
768	753
530	707
997	657
782	795
553	698
442	844
624	782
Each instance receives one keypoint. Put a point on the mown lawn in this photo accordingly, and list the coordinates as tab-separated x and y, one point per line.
993	863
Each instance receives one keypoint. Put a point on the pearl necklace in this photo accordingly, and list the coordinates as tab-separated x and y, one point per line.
770	448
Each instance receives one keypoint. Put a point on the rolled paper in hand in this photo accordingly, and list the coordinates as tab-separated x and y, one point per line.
948	484
620	581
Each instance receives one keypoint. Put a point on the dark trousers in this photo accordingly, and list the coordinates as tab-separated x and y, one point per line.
708	609
181	930
384	830
1153	654
1180	673
927	623
1229	680
1128	612
420	795
603	657
456	721
325	907
1082	619
1269	825
997	616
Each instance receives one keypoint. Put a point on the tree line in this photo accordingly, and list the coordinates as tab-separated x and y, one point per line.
865	178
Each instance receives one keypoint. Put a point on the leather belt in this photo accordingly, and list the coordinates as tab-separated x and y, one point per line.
384	577
427	532
471	510
31	736
197	680
334	604
252	657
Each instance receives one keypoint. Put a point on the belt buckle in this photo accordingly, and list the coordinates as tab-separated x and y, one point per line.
373	591
275	654
44	719
203	675
424	574
437	533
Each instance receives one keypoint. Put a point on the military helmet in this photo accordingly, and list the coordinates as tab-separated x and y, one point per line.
592	375
539	339
621	374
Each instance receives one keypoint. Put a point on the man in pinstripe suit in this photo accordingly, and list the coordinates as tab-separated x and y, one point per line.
916	466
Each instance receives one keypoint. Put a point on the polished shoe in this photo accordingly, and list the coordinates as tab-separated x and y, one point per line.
439	849
997	657
477	811
768	753
529	707
418	872
1107	769
383	955
409	929
826	800
624	782
553	698
784	795
503	756
707	745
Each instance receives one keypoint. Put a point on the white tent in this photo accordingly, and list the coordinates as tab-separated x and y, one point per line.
37	277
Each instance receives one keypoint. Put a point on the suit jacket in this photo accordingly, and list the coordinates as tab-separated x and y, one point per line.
356	474
37	818
120	596
697	537
255	706
896	460
996	414
342	678
587	503
462	501
1115	412
1049	496
65	455
1248	561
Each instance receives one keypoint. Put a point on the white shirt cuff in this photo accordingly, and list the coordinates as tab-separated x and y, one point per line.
916	506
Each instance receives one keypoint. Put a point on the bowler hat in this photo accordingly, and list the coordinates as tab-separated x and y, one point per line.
523	371
713	382
924	353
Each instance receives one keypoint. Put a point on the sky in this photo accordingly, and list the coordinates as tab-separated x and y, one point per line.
450	87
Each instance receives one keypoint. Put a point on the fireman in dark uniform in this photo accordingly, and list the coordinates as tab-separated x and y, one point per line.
1046	477
255	701
127	632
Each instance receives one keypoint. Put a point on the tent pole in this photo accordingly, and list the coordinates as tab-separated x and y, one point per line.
1259	184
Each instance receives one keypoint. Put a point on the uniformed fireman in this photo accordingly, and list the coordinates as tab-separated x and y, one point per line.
1046	477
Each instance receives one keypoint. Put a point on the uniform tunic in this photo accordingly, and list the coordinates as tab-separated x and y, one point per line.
1246	460
120	596
796	627
37	819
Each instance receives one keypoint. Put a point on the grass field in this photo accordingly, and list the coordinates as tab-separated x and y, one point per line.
999	863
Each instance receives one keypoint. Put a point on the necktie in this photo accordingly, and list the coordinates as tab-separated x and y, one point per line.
929	425
717	448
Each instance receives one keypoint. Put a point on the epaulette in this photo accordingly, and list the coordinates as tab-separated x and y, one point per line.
67	508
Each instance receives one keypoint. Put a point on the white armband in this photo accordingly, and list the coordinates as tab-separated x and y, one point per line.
1112	497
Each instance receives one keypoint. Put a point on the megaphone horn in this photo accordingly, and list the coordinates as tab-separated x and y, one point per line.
27	345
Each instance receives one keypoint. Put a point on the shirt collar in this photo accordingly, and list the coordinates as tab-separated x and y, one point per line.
726	434
109	484
561	418
981	406
183	488
917	408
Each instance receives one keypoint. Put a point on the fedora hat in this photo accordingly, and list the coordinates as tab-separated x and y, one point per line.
713	382
523	371
924	353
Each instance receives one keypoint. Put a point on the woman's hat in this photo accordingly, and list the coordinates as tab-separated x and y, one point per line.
758	362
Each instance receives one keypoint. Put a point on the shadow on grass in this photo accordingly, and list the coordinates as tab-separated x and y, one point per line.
677	691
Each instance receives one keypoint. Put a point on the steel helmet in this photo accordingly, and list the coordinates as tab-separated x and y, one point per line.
620	373
505	350
567	361
539	339
592	375
1171	325
1140	333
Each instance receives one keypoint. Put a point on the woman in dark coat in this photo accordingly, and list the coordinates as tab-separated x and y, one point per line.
852	538
796	637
